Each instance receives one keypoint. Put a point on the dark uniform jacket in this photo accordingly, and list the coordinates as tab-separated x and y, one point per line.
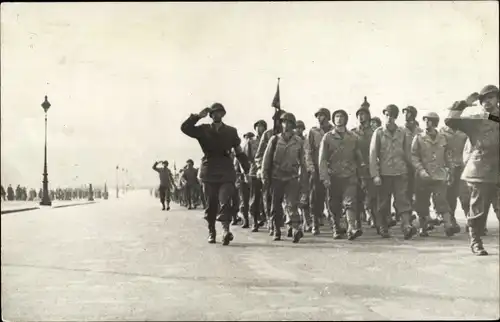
216	164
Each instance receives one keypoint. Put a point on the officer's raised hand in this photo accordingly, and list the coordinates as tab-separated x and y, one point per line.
204	112
377	181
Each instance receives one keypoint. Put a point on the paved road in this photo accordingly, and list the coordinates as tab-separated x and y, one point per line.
128	260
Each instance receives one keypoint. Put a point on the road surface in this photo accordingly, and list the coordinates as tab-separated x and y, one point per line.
128	260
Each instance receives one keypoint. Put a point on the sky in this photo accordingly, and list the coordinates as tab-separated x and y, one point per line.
122	77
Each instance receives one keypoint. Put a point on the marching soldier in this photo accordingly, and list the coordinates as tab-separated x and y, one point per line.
217	171
10	193
389	158
243	184
166	183
257	210
457	188
339	157
266	192
190	175
284	161
431	161
412	128
481	171
367	196
304	198
316	187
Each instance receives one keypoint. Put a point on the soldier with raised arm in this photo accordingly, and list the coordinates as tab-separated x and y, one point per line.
481	170
166	183
217	141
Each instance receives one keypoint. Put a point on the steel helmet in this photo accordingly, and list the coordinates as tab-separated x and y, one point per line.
301	124
433	116
411	109
325	112
487	90
260	122
190	161
430	115
341	112
393	109
289	117
217	107
365	107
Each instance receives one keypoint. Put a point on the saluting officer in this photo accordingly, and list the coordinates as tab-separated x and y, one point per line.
389	158
284	167
431	161
217	173
317	192
166	183
339	160
482	167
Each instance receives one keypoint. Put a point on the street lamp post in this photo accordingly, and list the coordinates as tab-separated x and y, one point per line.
45	196
117	189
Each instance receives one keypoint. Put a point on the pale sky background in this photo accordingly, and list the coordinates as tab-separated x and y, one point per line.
121	77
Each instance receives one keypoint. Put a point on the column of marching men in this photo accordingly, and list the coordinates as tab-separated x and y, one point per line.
286	181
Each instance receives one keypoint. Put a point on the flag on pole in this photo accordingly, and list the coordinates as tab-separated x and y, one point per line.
276	100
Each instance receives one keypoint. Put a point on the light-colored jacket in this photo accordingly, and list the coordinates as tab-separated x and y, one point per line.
312	144
339	155
431	155
389	152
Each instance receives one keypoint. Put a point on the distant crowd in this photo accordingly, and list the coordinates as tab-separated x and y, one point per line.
25	194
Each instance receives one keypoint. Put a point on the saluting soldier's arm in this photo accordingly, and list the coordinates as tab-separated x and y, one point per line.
324	153
415	155
455	120
155	166
189	127
374	148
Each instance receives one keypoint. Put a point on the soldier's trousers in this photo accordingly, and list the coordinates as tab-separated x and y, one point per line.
256	200
164	194
423	191
317	198
483	195
244	196
219	201
189	191
397	186
366	200
458	190
289	192
342	196
267	200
